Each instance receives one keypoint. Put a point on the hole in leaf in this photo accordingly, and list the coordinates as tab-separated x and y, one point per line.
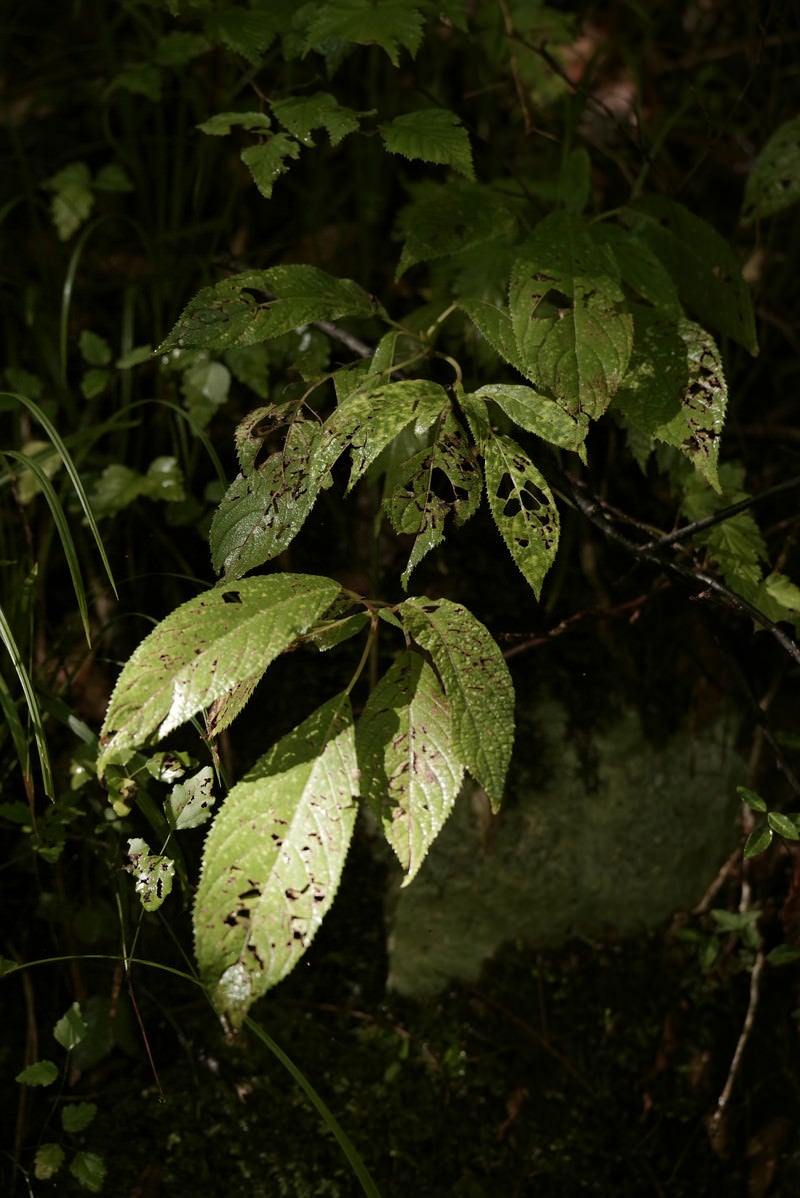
231	597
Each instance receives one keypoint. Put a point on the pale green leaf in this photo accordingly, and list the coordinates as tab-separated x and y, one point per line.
152	872
370	418
476	682
423	491
538	414
783	825
262	513
117	487
675	390
446	218
48	1160
89	1170
702	265
568	313
250	365
72	200
785	593
78	1116
222	122
70	1028
494	325
204	649
302	114
432	135
257	305
390	24
189	803
42	1073
164	480
205	386
410	771
268	160
273	860
774	180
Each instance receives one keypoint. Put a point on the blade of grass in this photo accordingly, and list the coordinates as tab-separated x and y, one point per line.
7	637
69	466
18	735
62	527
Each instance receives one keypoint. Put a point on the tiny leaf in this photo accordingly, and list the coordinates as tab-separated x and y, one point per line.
42	1073
78	1116
783	825
268	160
47	1162
71	1028
752	799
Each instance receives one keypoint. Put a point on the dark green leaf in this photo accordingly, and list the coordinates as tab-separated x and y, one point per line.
758	841
42	1073
774	180
268	160
432	135
301	114
89	1170
390	24
78	1116
701	264
446	218
784	954
568	313
752	799
221	123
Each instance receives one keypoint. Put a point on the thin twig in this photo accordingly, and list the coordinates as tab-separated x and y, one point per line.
715	1122
689	530
512	57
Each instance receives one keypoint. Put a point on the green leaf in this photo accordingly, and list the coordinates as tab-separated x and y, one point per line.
262	304
47	1162
783	825
189	804
177	48
446	218
268	160
141	353
423	490
94	348
204	649
476	682
432	135
522	505
537	414
575	181
390	24
783	954
221	123
701	264
247	31
753	800
640	268
205	386
73	199
153	874
337	631
675	390
94	382
734	921
112	177
301	114
262	513
89	1170
774	180
568	314
70	1028
494	325
410	770
78	1116
43	1073
141	79
273	860
370	418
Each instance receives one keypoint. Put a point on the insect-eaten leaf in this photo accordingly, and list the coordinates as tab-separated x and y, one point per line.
424	490
410	769
190	803
476	682
153	874
570	319
273	859
207	648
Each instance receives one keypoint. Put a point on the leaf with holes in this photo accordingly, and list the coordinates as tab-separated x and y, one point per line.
702	265
435	483
410	771
262	304
569	316
390	24
538	414
190	802
519	499
273	859
675	390
153	873
252	434
476	682
371	418
261	514
774	180
301	114
446	218
206	648
431	135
